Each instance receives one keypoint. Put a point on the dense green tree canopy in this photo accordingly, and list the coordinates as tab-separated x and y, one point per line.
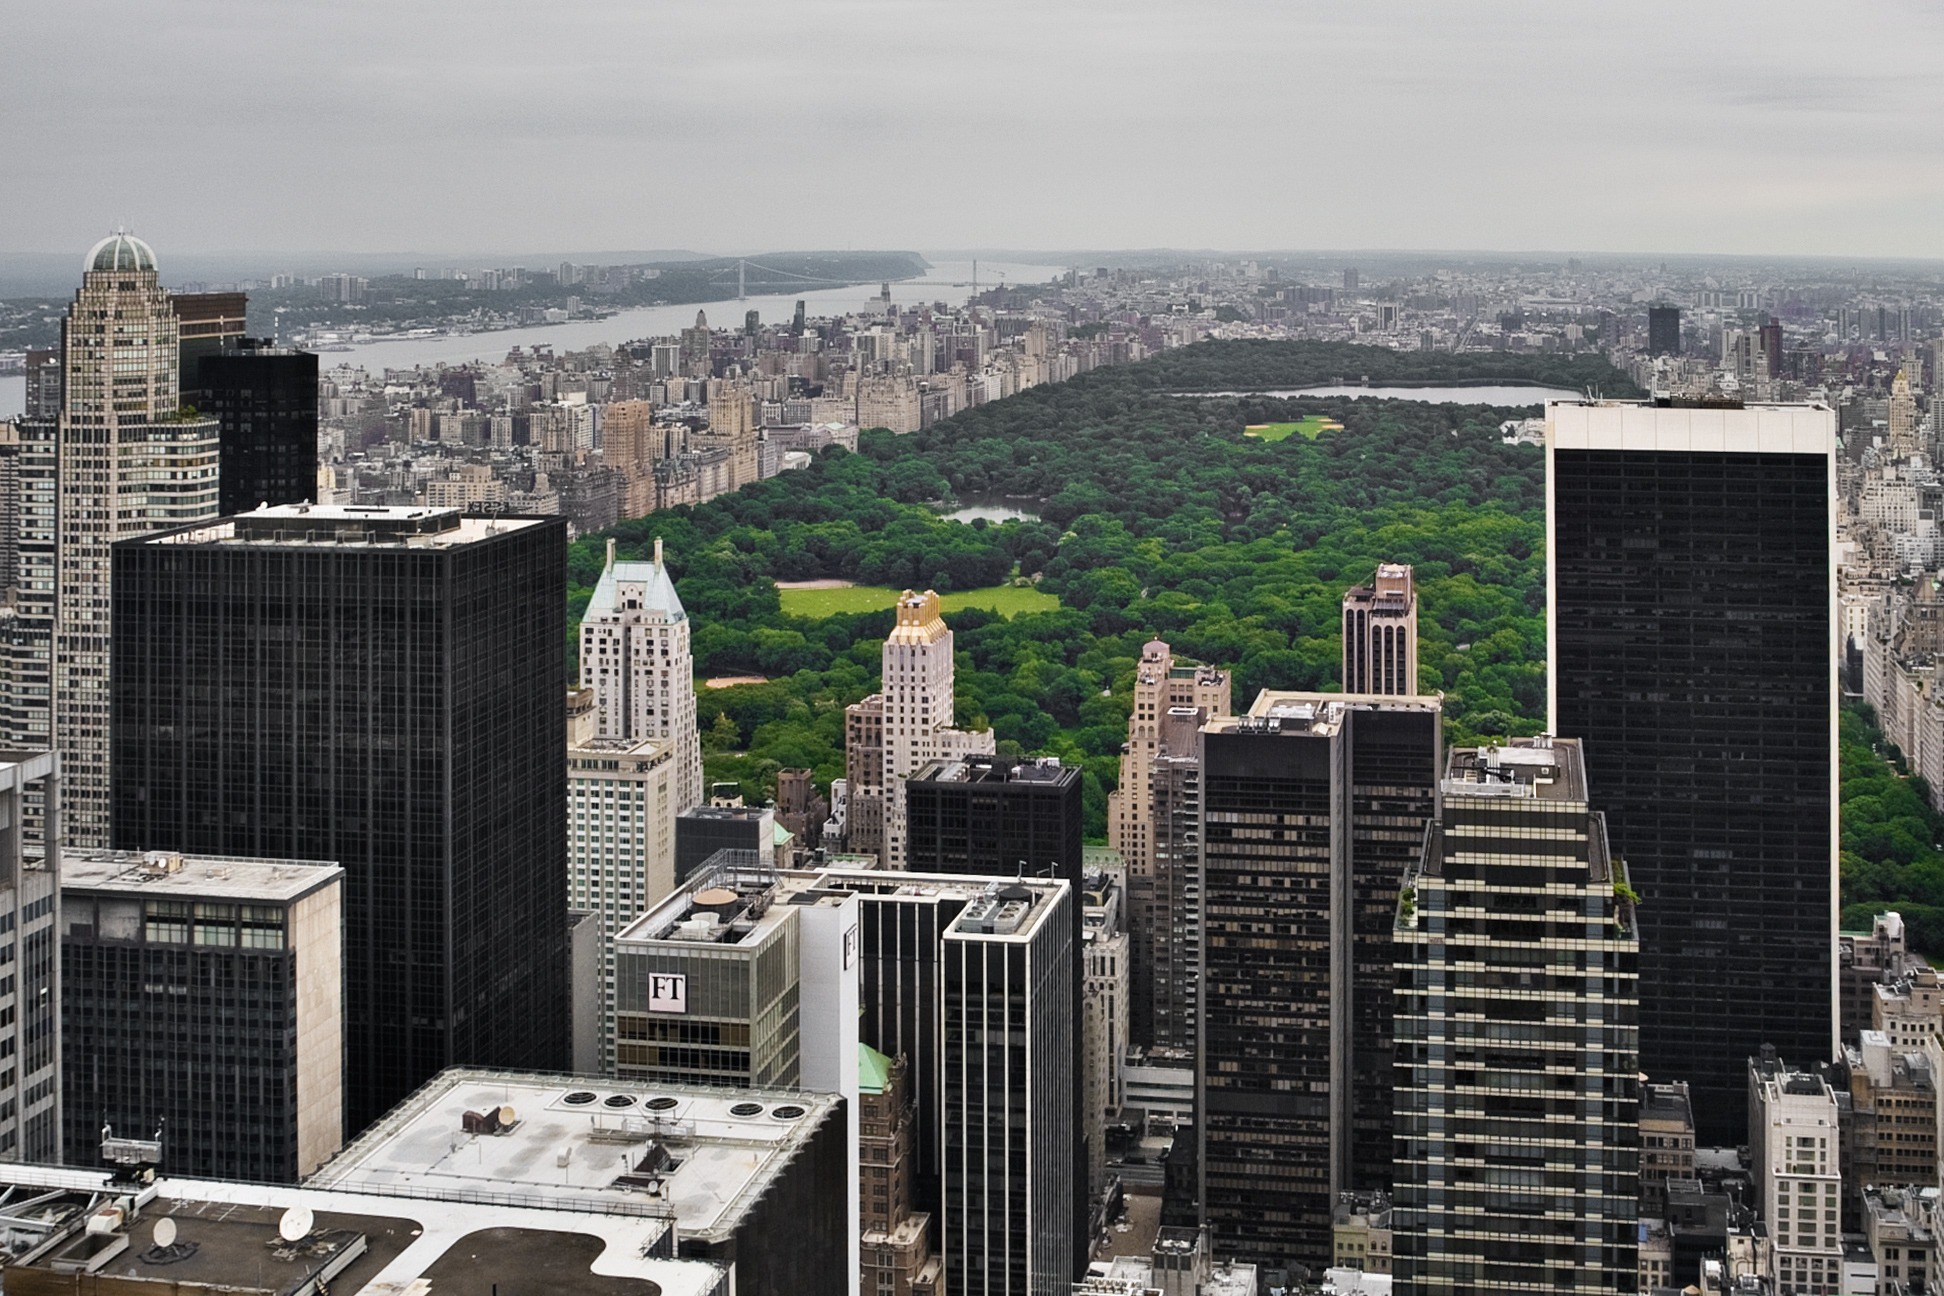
1158	516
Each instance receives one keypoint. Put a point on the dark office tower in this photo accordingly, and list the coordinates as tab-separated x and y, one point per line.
1771	336
43	384
383	687
796	322
996	818
265	398
901	929
988	817
1313	808
210	324
30	936
1517	1087
1663	330
1350	279
204	994
1010	1039
1165	900
1380	633
1691	619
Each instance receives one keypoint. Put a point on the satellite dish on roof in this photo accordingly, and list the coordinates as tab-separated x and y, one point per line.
165	1233
506	1115
296	1224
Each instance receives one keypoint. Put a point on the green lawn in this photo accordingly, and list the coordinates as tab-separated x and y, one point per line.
1006	600
1310	428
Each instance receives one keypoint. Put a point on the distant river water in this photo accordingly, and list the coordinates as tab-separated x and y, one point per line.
13	395
1479	395
947	281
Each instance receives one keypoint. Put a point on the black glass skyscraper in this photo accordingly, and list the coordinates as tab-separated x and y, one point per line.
265	399
1663	330
1313	807
1693	651
383	688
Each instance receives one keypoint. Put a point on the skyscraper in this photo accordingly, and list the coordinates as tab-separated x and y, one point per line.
1663	330
1692	628
911	719
30	947
382	687
1795	1134
131	461
620	842
995	818
1517	1096
1380	633
1165	898
635	656
1313	807
205	993
1010	1037
207	324
265	399
1160	683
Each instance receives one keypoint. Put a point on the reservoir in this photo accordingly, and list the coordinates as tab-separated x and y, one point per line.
1482	394
993	508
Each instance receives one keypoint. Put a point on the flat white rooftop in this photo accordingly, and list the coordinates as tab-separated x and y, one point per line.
166	874
1638	425
573	1139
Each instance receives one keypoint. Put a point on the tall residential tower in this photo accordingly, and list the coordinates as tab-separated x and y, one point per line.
635	655
1380	633
910	720
1517	1094
131	460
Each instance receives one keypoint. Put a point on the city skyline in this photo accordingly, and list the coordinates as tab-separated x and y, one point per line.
1765	129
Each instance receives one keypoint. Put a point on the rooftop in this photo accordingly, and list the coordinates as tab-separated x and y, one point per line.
734	898
167	873
227	1238
635	586
1642	425
1007	908
1315	713
694	1155
1550	769
346	524
1046	771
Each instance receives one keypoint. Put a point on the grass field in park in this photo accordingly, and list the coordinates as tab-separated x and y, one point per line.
1006	600
1310	428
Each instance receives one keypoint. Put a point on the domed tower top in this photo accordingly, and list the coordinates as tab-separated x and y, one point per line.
121	251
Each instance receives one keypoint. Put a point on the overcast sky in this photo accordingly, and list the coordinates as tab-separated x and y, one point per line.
1777	127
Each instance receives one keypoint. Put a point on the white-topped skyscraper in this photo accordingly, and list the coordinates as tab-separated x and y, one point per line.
1691	620
131	460
635	655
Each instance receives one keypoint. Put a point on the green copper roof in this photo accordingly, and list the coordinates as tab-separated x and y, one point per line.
873	1070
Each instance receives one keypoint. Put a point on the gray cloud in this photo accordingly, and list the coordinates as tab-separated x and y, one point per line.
474	125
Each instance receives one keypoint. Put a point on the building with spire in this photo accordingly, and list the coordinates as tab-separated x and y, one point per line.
635	655
131	460
911	719
1380	634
